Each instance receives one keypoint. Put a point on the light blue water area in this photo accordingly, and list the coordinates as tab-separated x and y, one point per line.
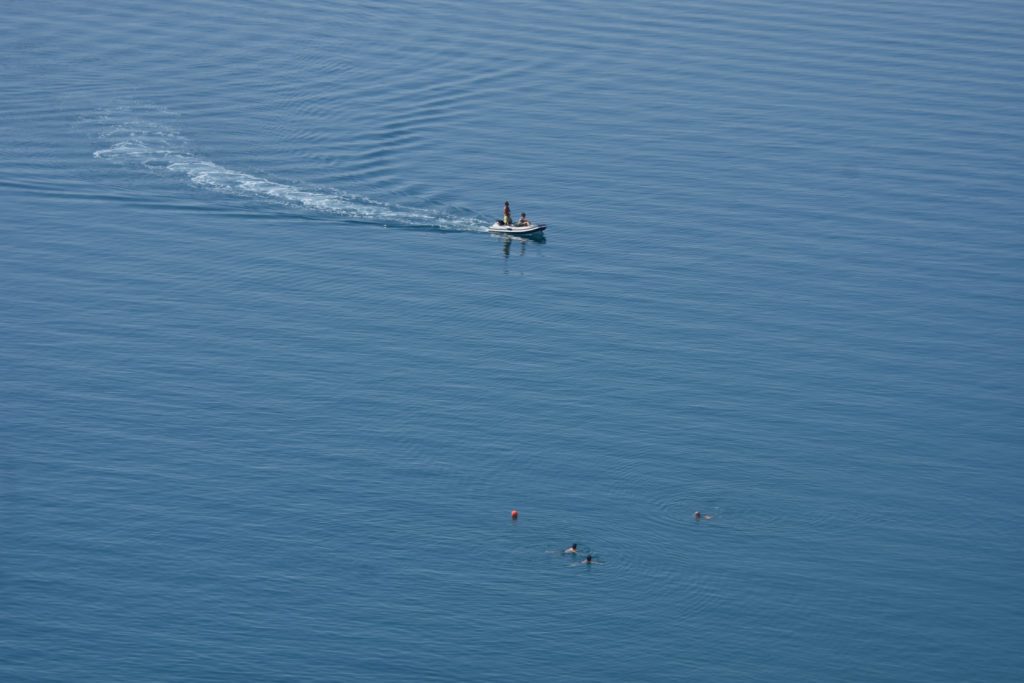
270	390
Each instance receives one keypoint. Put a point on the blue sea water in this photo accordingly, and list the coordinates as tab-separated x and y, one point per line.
270	391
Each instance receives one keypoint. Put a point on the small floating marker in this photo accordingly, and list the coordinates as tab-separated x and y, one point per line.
515	514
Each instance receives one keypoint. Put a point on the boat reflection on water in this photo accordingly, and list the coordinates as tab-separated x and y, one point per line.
522	240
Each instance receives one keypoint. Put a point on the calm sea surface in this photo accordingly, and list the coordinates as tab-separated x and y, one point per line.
269	391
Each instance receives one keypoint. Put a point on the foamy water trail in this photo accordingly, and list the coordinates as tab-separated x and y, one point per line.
131	139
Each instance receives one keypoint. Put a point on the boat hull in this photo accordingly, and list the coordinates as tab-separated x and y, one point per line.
501	229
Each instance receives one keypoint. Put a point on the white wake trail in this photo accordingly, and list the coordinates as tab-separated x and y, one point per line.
158	147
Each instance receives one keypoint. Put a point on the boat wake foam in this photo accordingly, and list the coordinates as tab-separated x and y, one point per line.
134	140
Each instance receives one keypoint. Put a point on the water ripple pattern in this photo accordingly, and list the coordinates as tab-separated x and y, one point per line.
247	433
133	139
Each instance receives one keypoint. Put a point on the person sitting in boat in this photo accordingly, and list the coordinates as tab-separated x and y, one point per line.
506	218
523	222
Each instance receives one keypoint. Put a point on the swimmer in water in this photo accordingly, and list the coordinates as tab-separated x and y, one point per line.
589	560
698	515
571	549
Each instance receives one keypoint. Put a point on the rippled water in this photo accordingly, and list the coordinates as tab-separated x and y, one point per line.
271	391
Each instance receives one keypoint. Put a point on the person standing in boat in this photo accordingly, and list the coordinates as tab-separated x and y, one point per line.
507	216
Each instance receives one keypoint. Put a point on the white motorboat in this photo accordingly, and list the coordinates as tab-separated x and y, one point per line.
502	229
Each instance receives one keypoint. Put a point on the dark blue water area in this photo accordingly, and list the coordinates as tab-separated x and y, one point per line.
271	391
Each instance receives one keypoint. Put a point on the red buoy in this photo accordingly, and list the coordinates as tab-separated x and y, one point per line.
515	514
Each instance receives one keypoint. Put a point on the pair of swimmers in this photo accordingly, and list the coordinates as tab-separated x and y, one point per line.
572	550
506	217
